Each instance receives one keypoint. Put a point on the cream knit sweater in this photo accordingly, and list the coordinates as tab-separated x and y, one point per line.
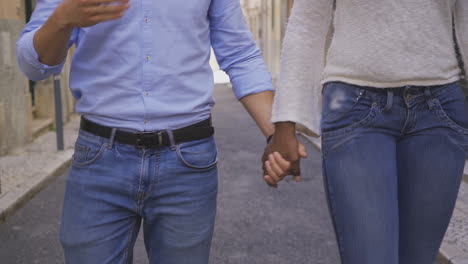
378	43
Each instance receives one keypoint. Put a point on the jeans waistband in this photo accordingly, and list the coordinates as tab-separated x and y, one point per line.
408	94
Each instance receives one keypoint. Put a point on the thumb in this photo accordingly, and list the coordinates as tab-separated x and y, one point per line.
302	150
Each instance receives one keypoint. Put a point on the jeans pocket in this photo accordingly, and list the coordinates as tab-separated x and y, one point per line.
345	109
87	151
338	100
198	154
452	109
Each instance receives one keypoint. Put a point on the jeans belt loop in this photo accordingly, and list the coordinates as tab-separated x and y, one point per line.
170	135
112	138
429	98
389	103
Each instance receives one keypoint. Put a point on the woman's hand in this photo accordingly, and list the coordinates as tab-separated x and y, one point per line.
282	155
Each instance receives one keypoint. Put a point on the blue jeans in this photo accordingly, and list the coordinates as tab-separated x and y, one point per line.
112	188
393	161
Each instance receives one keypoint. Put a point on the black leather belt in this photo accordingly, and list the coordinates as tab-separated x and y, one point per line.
156	139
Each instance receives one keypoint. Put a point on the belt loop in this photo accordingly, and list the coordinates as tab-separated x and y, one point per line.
112	138
171	139
389	104
429	98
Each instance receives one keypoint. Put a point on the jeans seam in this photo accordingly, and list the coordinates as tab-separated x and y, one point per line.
129	241
140	180
332	212
155	182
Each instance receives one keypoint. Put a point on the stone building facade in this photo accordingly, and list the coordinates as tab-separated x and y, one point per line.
267	20
26	108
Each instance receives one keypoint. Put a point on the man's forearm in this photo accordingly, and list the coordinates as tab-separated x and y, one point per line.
259	106
51	40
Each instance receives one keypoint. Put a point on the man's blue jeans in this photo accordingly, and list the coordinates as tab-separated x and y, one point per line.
392	161
112	188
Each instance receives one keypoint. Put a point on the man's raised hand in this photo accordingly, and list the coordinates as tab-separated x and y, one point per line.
86	13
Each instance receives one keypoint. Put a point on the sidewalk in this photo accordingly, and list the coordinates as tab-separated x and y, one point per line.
28	171
454	249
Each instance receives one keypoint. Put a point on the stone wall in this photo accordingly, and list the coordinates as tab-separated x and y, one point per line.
16	111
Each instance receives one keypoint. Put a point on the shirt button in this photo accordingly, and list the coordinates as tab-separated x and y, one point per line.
147	58
147	94
146	20
146	121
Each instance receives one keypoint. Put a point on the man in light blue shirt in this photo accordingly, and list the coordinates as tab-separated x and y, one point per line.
143	85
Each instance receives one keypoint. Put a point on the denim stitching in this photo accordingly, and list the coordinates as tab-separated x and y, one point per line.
331	207
91	137
129	241
140	179
154	182
334	133
101	151
436	92
181	158
447	120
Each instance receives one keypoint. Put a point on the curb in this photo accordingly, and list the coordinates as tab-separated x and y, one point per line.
18	197
29	170
448	253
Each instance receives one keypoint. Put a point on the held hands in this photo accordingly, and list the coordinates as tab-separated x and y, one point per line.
86	13
282	155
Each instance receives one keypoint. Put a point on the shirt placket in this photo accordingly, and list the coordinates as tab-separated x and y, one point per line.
147	59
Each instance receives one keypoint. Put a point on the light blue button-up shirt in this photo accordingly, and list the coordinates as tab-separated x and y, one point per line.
150	69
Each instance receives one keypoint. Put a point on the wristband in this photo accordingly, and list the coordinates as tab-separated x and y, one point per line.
269	139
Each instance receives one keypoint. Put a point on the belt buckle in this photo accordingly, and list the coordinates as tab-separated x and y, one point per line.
149	139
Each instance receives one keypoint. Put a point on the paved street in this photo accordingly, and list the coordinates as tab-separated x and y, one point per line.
255	224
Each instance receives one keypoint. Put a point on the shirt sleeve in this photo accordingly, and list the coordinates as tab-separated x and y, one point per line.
461	30
27	56
236	51
298	97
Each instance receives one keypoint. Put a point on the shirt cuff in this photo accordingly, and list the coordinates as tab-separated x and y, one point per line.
32	58
251	83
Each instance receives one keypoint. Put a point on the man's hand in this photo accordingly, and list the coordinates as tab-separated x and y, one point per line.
282	155
86	13
52	39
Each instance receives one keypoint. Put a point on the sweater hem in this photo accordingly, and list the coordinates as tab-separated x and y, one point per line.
390	84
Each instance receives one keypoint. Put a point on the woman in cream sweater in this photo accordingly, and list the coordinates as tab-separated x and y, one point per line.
383	94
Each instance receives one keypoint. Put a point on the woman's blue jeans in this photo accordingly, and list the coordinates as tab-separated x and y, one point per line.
114	188
393	161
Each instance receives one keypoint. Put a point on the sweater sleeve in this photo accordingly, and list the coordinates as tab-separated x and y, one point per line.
461	29
298	95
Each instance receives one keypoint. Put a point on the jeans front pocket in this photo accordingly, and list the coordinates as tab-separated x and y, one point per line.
87	150
452	109
345	109
199	154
